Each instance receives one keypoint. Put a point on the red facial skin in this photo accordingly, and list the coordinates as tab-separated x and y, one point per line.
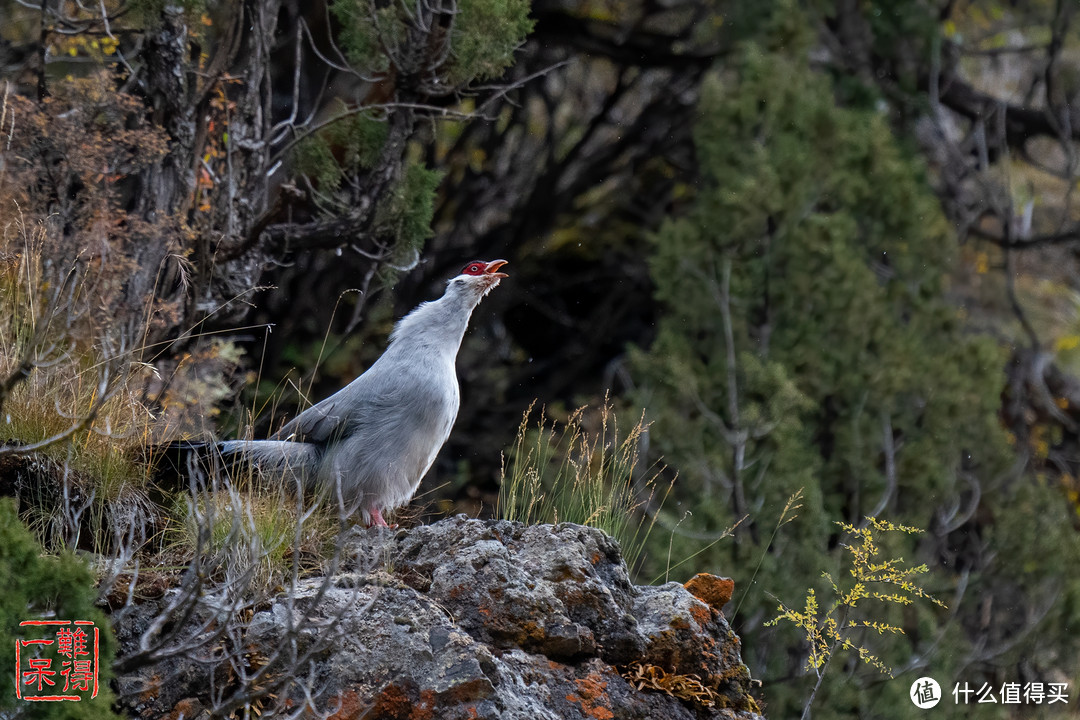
481	267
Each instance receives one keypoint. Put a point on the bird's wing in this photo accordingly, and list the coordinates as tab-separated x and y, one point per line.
318	423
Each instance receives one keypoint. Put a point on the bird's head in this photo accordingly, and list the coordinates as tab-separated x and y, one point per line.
478	277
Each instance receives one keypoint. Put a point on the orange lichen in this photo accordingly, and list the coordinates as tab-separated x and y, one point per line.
424	709
530	632
592	697
353	706
712	590
702	614
458	591
394	702
153	687
464	693
188	707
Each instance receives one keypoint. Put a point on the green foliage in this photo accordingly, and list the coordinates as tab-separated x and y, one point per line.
35	588
364	29
486	33
362	140
902	27
482	39
815	318
314	156
1044	558
580	476
406	212
806	342
352	143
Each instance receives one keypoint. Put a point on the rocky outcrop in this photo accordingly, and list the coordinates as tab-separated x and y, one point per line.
489	619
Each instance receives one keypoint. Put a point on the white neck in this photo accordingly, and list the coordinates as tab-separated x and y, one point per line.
439	324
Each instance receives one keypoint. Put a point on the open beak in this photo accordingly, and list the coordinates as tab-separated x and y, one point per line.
492	269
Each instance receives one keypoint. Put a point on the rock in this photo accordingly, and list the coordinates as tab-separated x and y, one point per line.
712	590
489	619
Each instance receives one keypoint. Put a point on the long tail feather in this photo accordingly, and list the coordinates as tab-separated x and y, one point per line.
282	456
180	457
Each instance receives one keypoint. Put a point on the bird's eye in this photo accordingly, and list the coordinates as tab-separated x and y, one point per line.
473	269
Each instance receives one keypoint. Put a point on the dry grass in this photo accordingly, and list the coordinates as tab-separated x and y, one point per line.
71	388
260	530
586	476
66	383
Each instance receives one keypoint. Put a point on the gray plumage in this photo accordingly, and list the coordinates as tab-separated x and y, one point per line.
367	446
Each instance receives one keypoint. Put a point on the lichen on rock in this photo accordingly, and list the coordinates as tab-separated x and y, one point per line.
467	618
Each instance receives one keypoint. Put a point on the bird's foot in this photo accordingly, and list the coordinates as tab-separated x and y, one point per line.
377	520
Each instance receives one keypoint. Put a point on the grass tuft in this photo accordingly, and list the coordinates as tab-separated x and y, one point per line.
587	476
68	405
251	530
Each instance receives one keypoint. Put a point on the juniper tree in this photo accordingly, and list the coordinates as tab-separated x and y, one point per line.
806	342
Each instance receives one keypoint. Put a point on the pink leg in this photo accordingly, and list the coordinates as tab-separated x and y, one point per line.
377	519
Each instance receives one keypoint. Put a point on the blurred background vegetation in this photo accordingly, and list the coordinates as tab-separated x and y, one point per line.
827	246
